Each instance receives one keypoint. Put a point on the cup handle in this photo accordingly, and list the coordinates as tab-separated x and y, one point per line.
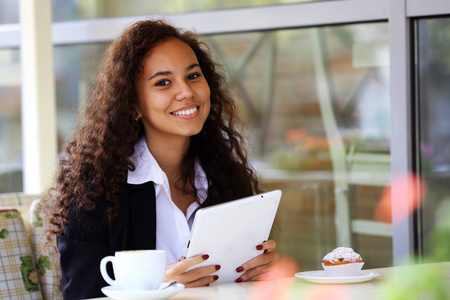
104	272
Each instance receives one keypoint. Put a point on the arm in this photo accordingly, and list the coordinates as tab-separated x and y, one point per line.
82	245
80	261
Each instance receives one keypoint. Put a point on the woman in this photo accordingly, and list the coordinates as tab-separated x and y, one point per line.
157	140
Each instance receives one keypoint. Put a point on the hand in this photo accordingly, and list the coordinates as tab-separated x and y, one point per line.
259	266
193	278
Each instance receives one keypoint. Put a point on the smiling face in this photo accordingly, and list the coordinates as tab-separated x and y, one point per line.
174	97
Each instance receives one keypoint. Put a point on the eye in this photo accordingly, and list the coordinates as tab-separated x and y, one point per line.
194	76
163	82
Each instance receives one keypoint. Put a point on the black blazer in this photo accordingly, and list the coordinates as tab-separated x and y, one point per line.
89	237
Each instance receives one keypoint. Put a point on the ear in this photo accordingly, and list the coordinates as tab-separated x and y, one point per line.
139	114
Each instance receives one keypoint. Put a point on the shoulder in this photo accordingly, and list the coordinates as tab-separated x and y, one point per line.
84	222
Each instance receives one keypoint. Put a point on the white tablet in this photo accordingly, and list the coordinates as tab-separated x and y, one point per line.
230	232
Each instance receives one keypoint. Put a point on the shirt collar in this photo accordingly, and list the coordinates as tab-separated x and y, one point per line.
147	169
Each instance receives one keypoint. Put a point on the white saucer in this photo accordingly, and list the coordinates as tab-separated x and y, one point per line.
119	294
321	277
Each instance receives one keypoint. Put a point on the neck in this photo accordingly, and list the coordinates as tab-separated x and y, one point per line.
169	154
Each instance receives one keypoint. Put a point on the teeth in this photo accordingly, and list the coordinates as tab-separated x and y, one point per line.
185	112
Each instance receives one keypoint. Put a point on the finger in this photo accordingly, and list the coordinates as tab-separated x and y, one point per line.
202	281
267	246
174	263
201	272
182	265
261	276
262	259
253	273
177	268
195	274
260	271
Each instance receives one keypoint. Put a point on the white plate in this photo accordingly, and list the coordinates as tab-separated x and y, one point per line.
119	294
321	277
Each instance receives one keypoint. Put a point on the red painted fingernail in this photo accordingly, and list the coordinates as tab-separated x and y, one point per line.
217	267
215	277
239	280
259	247
205	256
240	269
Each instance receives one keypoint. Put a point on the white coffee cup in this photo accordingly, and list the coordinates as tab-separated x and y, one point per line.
136	270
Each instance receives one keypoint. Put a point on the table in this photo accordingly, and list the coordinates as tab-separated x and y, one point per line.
417	280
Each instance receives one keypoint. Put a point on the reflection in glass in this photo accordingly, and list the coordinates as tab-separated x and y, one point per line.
433	73
10	122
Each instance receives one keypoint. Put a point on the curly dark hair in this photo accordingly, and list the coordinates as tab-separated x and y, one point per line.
97	158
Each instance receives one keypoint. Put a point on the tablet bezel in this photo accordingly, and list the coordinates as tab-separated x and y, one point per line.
229	232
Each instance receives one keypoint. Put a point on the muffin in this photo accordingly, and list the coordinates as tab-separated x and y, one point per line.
342	262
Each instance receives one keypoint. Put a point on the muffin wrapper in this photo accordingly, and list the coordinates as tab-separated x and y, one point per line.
351	269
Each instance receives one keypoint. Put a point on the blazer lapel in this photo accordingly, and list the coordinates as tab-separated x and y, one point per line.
143	215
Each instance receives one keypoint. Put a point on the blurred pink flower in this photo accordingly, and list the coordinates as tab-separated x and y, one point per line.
409	192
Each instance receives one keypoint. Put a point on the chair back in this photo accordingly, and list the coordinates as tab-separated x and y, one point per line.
45	255
23	242
18	275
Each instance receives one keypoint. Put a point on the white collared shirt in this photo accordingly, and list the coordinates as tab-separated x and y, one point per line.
173	228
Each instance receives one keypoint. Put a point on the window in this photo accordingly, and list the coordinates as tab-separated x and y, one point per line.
75	67
9	11
10	122
67	10
433	109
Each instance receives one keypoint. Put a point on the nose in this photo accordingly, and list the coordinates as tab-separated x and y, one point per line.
185	91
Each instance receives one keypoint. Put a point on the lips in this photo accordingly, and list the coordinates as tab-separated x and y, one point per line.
185	112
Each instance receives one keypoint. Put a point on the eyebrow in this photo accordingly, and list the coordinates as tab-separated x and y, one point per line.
165	73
